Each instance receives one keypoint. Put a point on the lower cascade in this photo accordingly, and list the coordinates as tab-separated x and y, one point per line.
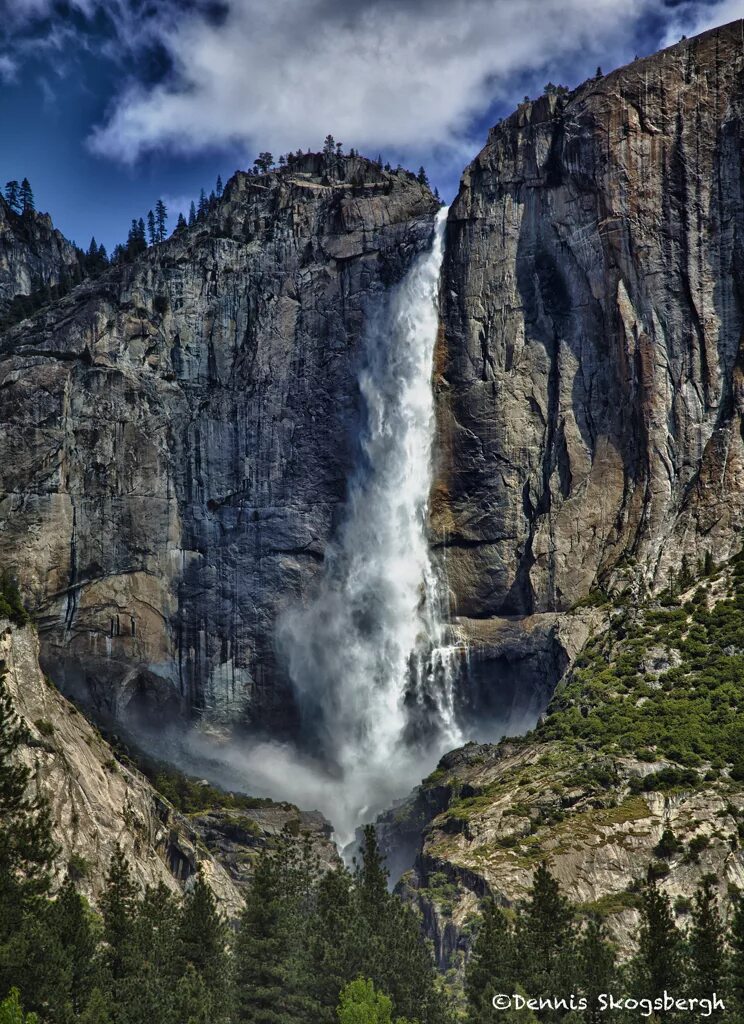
373	677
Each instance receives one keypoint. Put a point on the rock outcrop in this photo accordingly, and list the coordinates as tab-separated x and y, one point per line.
95	800
492	813
33	254
176	436
590	363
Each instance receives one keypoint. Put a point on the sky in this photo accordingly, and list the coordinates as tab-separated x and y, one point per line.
107	105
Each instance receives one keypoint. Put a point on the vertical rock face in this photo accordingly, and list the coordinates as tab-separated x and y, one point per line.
177	435
590	387
33	254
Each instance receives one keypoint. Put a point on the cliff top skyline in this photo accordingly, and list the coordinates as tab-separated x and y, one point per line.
109	106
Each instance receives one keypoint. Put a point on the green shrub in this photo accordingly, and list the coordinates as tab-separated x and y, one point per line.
668	845
11	605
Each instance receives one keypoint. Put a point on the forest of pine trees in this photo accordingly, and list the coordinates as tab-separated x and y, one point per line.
544	948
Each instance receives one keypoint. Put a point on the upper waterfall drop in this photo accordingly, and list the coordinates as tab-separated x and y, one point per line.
366	657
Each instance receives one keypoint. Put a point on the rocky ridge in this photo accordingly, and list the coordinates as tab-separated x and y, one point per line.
635	771
33	254
95	800
98	798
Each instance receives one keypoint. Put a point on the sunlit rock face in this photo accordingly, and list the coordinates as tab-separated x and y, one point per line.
590	364
33	254
176	438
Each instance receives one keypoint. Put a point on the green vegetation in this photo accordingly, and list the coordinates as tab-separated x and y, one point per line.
190	796
615	701
546	945
11	605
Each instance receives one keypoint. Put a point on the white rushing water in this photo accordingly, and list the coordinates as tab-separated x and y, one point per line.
366	655
373	679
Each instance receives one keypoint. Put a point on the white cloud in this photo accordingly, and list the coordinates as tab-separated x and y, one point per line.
399	76
691	18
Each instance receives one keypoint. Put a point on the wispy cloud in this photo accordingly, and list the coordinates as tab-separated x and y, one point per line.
8	69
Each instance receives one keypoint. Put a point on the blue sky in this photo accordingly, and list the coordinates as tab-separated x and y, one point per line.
108	104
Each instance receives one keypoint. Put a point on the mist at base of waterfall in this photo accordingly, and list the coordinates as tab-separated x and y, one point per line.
282	772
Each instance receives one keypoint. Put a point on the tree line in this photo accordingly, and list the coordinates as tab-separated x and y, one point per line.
546	949
145	232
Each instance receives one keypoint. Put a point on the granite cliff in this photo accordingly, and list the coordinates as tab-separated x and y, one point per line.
590	360
176	438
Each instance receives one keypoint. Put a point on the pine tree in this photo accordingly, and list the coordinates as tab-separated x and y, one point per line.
546	938
736	965
492	966
203	939
12	196
70	922
421	177
389	948
26	197
161	218
262	950
596	969
219	187
193	1004
34	960
192	214
202	209
658	962
152	234
119	909
263	162
97	1009
181	224
707	951
329	145
146	989
330	956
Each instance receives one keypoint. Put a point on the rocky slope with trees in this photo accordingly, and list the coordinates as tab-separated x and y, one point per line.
34	256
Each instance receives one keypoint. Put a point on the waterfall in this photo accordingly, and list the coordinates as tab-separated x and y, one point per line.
372	676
